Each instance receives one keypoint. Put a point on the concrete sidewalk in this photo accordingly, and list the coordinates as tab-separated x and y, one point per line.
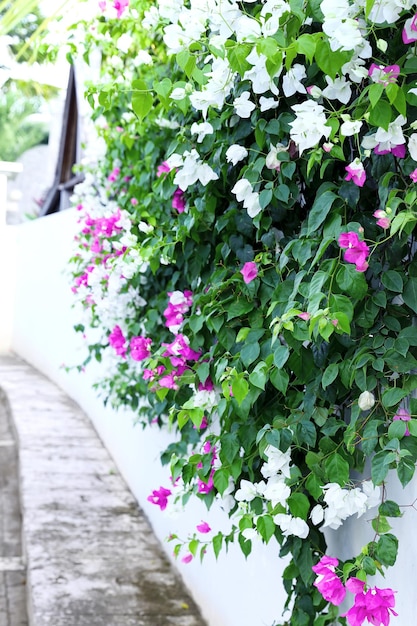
91	557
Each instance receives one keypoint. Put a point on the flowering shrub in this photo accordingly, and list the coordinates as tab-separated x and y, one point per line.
246	259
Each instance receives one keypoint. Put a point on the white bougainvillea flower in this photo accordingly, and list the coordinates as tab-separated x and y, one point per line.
343	34
337	89
179	93
278	462
372	492
192	170
291	82
276	490
388	10
272	162
244	193
350	127
243	106
259	75
309	125
248	491
235	153
412	146
292	525
201	130
215	91
317	514
242	189
266	104
366	401
247	29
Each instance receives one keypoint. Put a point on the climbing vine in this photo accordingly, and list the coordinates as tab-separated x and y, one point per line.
246	269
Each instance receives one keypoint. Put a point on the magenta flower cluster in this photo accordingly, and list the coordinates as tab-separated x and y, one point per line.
370	603
356	250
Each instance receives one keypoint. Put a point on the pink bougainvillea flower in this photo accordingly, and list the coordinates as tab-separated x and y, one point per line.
205	487
384	74
373	605
114	174
208	385
356	173
383	219
179	350
249	271
162	169
327	581
178	200
304	316
398	150
169	381
413	176
356	250
160	497
187	558
409	33
203	527
403	415
178	303
120	6
117	341
140	348
102	5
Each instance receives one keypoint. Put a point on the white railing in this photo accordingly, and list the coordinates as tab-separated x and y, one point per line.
6	169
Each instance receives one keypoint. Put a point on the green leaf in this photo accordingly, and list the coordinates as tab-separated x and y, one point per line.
186	61
389	508
393	396
239	308
230	447
259	375
405	470
265	526
396	429
381	114
320	209
337	469
245	545
249	353
314	486
351	281
240	389
387	549
299	505
221	479
142	99
280	379
375	92
392	281
281	354
368	7
330	62
381	525
410	293
380	466
329	374
217	544
306	45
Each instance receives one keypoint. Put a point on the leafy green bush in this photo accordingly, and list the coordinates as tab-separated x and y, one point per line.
246	261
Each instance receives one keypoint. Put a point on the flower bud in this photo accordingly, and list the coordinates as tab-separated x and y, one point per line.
366	400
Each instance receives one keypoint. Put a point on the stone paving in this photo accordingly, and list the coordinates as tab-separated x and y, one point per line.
12	567
91	556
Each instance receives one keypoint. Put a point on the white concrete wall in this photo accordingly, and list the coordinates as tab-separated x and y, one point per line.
231	591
